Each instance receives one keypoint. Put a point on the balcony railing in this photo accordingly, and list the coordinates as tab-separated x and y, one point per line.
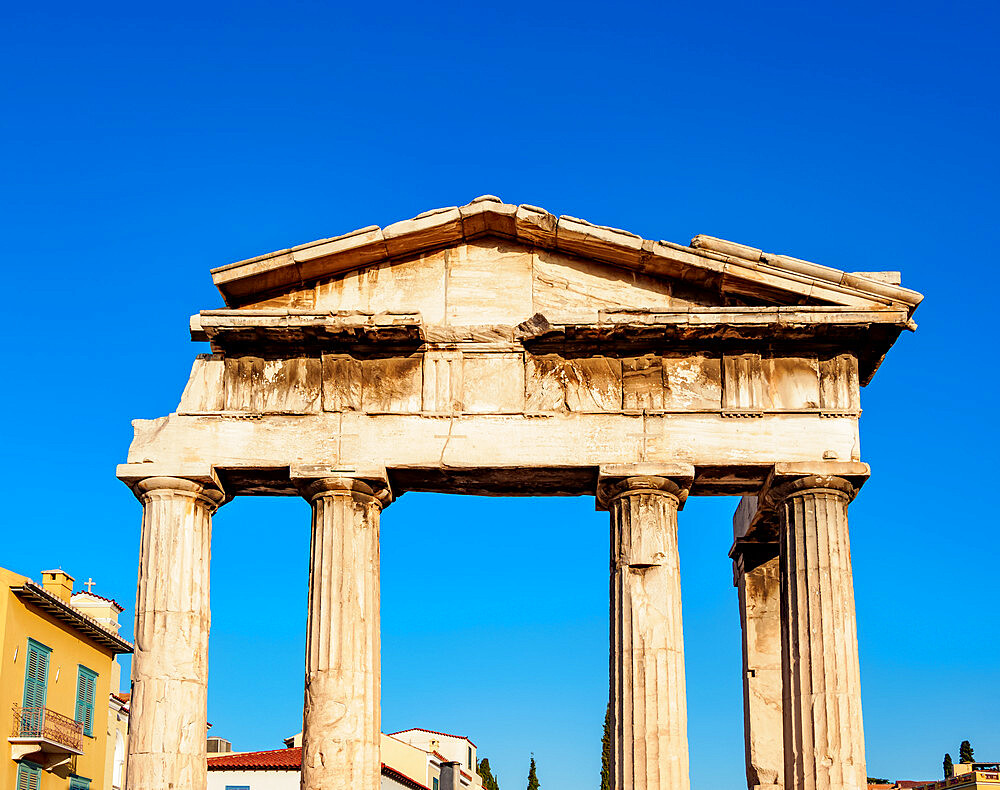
47	725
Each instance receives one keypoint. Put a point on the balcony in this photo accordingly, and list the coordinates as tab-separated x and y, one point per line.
46	737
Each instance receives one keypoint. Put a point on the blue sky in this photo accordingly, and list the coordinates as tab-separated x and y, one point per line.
143	144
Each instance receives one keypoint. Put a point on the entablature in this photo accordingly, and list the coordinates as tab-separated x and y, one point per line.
618	333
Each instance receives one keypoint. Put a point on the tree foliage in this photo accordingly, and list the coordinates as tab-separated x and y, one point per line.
949	766
606	751
489	780
965	752
532	776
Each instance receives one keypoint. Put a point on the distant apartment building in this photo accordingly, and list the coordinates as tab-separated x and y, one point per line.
68	724
969	776
414	759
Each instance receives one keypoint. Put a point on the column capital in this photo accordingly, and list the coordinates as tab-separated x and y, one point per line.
617	480
787	479
756	520
371	484
195	480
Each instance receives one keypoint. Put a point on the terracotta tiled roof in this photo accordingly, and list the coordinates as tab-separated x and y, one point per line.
40	598
433	732
289	759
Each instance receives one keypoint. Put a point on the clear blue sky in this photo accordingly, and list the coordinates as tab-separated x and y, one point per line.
143	144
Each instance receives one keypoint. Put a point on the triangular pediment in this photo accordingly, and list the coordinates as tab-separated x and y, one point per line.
494	263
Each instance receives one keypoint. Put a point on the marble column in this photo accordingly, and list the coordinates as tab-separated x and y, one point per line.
169	719
821	690
342	716
757	577
649	745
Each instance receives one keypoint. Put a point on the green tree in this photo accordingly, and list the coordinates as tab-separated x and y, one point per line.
949	766
965	752
489	780
532	776
606	751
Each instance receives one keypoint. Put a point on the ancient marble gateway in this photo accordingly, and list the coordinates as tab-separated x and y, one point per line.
497	349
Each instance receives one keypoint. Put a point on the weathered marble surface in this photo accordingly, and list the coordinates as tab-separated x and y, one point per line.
167	742
649	747
760	617
341	714
824	740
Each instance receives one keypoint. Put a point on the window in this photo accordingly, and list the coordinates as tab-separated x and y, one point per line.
79	783
436	784
86	692
470	758
36	674
29	776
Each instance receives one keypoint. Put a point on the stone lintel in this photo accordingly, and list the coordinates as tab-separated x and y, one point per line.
201	473
609	475
375	477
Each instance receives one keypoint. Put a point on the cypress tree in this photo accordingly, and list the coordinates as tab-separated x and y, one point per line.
532	776
606	751
965	752
489	780
949	767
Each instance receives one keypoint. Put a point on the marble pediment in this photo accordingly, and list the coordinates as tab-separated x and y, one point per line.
494	263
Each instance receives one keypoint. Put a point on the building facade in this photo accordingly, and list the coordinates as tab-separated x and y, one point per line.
414	759
58	680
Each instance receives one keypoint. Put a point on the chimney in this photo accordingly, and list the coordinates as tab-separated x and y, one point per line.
451	776
59	583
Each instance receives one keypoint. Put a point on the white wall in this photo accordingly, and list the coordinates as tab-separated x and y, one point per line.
255	780
271	780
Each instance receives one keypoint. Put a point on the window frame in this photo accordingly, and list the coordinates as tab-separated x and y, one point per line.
28	770
83	705
36	647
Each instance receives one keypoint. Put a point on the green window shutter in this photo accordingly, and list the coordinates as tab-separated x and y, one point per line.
36	682
79	783
86	693
29	777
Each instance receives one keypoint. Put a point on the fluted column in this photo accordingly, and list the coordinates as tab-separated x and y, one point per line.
649	746
821	689
168	725
342	716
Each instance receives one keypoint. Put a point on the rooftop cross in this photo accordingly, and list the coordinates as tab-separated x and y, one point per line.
89	584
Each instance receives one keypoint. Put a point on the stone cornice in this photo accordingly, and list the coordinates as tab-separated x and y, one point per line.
868	333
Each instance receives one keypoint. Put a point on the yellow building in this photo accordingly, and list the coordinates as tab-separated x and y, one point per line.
57	676
969	776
